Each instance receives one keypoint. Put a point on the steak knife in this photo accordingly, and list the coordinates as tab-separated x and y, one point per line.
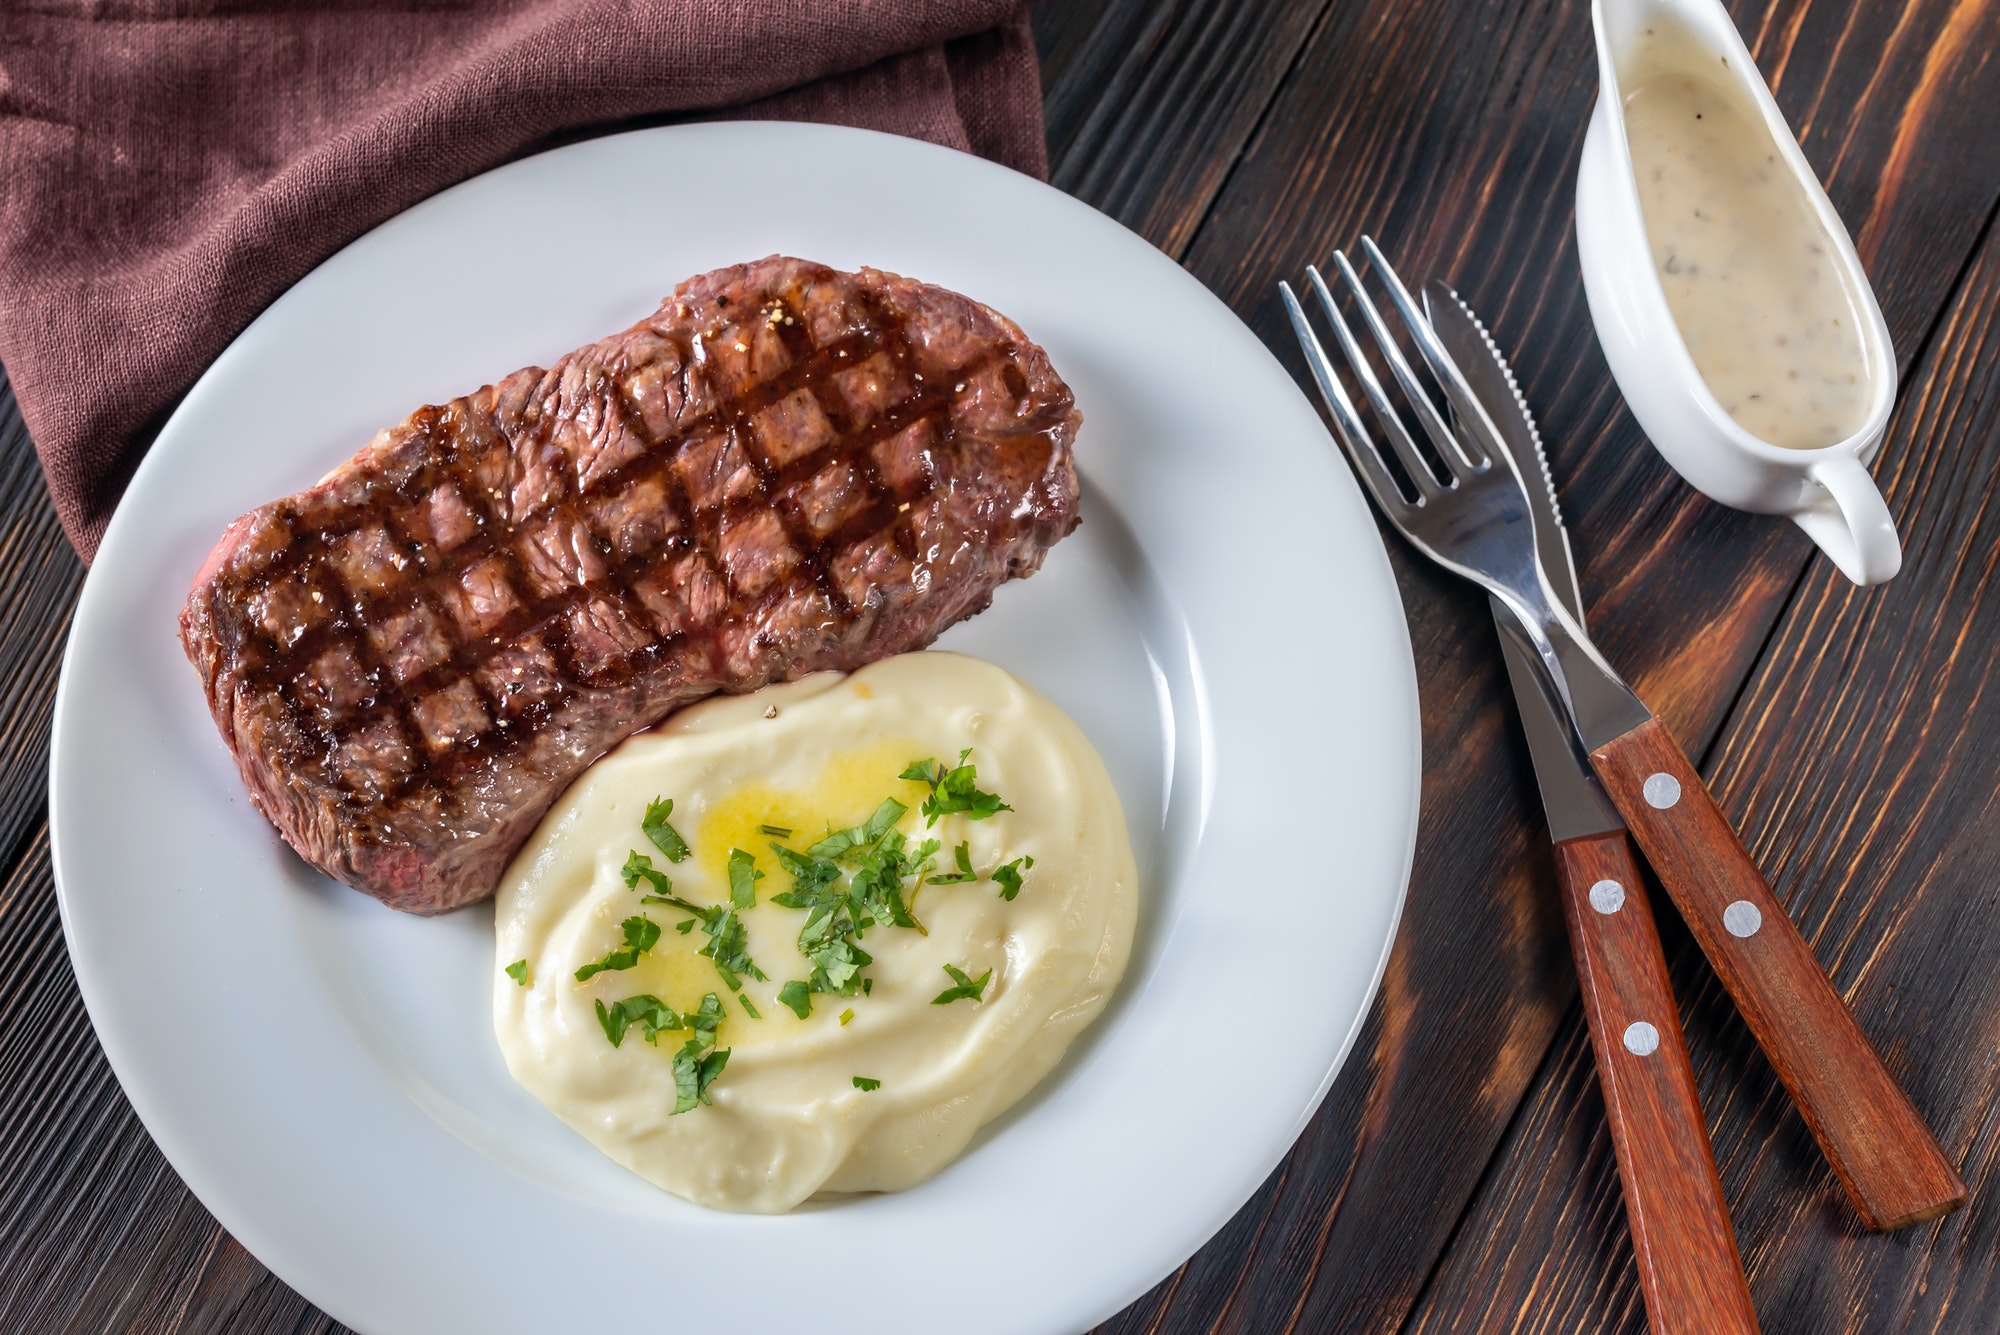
1474	519
1884	1155
1690	1272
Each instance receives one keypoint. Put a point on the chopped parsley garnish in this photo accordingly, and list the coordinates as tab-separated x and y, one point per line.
811	877
953	790
518	971
743	878
866	1085
841	841
878	878
728	944
645	1010
867	876
664	836
962	855
698	1062
707	1018
836	965
877	860
965	988
640	932
748	1009
637	867
832	915
695	1069
1008	876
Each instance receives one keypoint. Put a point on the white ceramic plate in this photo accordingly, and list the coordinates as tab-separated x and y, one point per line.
322	1071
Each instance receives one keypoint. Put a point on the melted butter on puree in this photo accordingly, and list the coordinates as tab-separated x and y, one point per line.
786	1121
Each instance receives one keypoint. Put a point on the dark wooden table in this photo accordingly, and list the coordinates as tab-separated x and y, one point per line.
1459	1177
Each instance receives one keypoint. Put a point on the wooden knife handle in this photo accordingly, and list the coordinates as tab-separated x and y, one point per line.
1689	1269
1880	1148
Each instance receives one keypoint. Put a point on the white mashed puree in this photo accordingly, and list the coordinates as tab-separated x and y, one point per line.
785	1117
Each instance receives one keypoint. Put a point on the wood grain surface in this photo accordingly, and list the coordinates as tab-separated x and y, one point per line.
1459	1177
1450	132
1861	769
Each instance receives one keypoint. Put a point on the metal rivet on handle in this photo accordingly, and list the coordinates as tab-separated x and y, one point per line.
1742	918
1641	1039
1662	791
1607	896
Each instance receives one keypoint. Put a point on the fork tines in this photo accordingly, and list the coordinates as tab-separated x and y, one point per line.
1455	458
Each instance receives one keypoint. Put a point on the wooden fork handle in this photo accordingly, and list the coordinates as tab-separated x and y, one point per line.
1689	1268
1880	1148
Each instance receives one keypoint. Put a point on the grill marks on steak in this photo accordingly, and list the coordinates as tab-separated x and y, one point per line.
785	469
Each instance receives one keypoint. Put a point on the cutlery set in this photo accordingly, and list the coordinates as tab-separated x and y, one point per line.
1480	502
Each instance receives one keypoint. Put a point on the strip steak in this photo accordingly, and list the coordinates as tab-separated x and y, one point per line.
786	468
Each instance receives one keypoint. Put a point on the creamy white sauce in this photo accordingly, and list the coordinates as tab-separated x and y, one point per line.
1750	273
786	1121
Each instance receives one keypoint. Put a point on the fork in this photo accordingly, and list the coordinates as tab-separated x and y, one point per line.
1475	521
1690	1271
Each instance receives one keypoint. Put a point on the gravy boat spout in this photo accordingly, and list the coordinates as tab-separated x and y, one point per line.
1767	293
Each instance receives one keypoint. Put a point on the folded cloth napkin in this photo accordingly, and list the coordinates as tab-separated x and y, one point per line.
168	167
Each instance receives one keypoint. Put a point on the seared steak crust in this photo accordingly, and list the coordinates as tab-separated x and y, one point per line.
786	468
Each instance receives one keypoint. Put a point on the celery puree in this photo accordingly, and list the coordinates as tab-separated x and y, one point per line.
872	1091
1749	270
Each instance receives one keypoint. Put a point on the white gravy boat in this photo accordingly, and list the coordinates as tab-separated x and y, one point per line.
1827	491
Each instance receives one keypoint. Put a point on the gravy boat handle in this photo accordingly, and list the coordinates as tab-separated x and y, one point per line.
1851	523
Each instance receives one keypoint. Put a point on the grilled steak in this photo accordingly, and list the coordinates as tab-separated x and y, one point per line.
784	469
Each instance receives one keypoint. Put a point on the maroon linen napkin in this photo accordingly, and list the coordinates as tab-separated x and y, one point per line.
167	169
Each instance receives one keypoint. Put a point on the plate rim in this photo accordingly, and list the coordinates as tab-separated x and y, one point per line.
152	1115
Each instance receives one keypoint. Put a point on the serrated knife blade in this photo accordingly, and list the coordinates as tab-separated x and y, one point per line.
1480	525
1576	806
1492	380
1690	1271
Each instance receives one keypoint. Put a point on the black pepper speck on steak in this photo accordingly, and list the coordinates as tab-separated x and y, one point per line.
785	468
